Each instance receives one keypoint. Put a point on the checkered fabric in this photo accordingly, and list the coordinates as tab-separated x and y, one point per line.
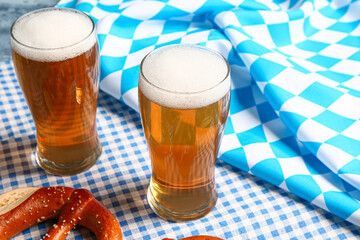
247	208
294	112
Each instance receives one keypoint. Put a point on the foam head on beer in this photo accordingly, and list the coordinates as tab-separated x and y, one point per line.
52	35
184	76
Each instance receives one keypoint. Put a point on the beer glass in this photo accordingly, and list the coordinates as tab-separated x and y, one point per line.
56	59
184	93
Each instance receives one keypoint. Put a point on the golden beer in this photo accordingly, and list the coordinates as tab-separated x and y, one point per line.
183	131
60	82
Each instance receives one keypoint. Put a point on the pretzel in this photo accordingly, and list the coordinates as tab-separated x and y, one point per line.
25	207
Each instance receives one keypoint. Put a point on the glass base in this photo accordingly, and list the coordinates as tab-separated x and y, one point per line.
68	169
179	215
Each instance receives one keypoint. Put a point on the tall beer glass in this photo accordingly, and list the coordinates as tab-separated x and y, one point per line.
184	93
56	58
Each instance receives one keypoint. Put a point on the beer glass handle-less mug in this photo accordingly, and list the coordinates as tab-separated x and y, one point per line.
184	95
58	72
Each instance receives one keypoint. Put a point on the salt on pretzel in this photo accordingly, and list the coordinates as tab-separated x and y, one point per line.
24	207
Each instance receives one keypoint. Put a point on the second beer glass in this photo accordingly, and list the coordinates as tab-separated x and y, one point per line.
184	94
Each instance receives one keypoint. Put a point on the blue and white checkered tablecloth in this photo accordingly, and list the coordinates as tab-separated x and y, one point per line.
247	208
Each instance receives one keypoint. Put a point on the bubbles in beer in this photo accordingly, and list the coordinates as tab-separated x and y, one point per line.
184	76
52	35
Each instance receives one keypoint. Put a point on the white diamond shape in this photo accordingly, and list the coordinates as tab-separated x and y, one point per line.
347	106
143	10
338	51
292	81
293	166
229	142
116	47
312	131
257	152
245	120
150	28
333	157
187	6
302	106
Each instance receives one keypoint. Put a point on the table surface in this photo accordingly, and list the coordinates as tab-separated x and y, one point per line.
247	208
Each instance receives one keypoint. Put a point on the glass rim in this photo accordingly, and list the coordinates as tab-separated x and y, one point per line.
188	45
51	9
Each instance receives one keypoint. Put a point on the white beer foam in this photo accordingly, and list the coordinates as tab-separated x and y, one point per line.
184	76
52	34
